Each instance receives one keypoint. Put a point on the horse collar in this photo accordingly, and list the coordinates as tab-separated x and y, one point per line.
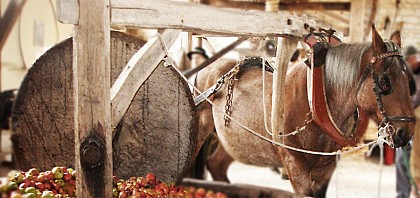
321	113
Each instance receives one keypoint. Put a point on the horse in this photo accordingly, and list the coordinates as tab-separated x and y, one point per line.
354	77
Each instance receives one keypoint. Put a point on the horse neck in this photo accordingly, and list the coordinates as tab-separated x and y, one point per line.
342	105
342	71
342	108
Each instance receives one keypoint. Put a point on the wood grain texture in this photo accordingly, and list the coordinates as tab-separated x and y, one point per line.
199	18
92	113
157	134
286	48
138	69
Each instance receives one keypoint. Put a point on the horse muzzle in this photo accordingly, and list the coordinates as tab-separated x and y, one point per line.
401	137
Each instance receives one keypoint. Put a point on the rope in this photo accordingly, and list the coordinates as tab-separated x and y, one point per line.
381	163
163	42
337	158
263	98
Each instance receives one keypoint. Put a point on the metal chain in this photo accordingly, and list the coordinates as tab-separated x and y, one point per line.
231	83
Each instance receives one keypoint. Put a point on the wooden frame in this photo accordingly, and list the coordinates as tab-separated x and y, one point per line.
92	20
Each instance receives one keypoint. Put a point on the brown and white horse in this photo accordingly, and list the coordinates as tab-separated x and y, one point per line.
353	79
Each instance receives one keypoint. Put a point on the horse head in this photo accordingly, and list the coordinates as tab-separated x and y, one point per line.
383	91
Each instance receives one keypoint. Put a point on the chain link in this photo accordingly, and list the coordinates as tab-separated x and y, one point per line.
231	83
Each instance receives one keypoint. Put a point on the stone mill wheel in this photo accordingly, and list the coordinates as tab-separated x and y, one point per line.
157	134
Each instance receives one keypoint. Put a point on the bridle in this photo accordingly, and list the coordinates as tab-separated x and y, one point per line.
383	86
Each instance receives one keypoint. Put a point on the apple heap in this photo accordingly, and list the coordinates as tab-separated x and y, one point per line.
151	187
61	182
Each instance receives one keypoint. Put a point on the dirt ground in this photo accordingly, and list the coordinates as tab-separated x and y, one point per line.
356	176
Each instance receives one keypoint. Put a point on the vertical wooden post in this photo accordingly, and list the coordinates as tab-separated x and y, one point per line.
272	5
92	107
357	18
285	49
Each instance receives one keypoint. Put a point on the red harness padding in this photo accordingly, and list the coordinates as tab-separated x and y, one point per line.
321	112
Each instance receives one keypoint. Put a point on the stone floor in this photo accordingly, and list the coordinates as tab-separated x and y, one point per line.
356	176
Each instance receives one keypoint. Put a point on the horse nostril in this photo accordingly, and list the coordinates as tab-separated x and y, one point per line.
401	132
401	137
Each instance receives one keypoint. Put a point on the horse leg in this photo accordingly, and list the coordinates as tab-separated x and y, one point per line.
218	163
309	180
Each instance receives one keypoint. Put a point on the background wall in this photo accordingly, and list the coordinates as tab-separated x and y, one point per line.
35	32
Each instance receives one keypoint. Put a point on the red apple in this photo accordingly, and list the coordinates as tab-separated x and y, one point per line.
151	177
67	177
48	175
40	186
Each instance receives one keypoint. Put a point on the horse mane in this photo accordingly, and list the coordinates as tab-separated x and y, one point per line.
342	65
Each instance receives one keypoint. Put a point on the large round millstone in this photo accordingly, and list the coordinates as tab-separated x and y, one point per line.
157	134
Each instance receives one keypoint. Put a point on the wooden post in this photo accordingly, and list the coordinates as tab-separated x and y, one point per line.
357	17
272	5
92	107
286	46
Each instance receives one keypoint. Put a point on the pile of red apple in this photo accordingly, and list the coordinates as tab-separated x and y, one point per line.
61	182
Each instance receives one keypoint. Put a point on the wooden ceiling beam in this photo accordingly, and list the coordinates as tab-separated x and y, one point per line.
248	5
320	6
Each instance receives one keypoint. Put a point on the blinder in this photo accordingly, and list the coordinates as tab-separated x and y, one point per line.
384	84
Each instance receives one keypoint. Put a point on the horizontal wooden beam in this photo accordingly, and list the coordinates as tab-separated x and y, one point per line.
199	18
337	6
136	72
290	6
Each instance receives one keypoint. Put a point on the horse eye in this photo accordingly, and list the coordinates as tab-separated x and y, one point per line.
384	84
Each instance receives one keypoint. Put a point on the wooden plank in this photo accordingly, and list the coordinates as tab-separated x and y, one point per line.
204	19
290	6
216	56
9	18
285	49
371	19
357	18
138	69
68	11
92	112
320	6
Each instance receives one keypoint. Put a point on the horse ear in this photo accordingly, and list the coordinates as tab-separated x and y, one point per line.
378	44
396	38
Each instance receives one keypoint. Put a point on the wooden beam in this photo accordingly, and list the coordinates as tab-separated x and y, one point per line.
216	56
204	19
357	18
320	6
9	18
138	69
238	5
371	20
337	17
294	6
92	106
285	49
68	11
